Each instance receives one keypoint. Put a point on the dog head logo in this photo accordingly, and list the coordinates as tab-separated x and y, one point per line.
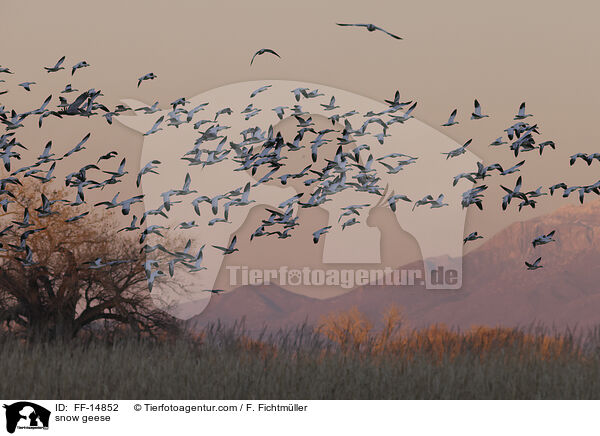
409	156
26	415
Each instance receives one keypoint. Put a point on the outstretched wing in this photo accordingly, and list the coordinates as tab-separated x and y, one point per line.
268	50
389	33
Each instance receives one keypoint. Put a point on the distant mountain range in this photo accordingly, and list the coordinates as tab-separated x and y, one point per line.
497	288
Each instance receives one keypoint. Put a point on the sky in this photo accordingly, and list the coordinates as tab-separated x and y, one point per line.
501	53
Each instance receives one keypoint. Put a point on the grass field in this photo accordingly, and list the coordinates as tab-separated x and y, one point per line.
343	359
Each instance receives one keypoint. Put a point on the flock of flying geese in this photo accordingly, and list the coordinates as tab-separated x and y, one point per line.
259	149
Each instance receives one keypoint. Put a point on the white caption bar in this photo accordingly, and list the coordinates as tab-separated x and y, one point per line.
22	417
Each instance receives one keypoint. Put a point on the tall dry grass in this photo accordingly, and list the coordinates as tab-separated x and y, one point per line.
342	358
352	330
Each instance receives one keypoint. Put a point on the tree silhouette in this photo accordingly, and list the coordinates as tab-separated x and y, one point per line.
50	283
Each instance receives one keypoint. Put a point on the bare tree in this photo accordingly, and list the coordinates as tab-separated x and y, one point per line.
52	284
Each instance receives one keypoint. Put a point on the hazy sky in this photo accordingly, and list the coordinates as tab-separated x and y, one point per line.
544	53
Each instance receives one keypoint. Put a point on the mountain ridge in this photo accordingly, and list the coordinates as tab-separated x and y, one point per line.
497	289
